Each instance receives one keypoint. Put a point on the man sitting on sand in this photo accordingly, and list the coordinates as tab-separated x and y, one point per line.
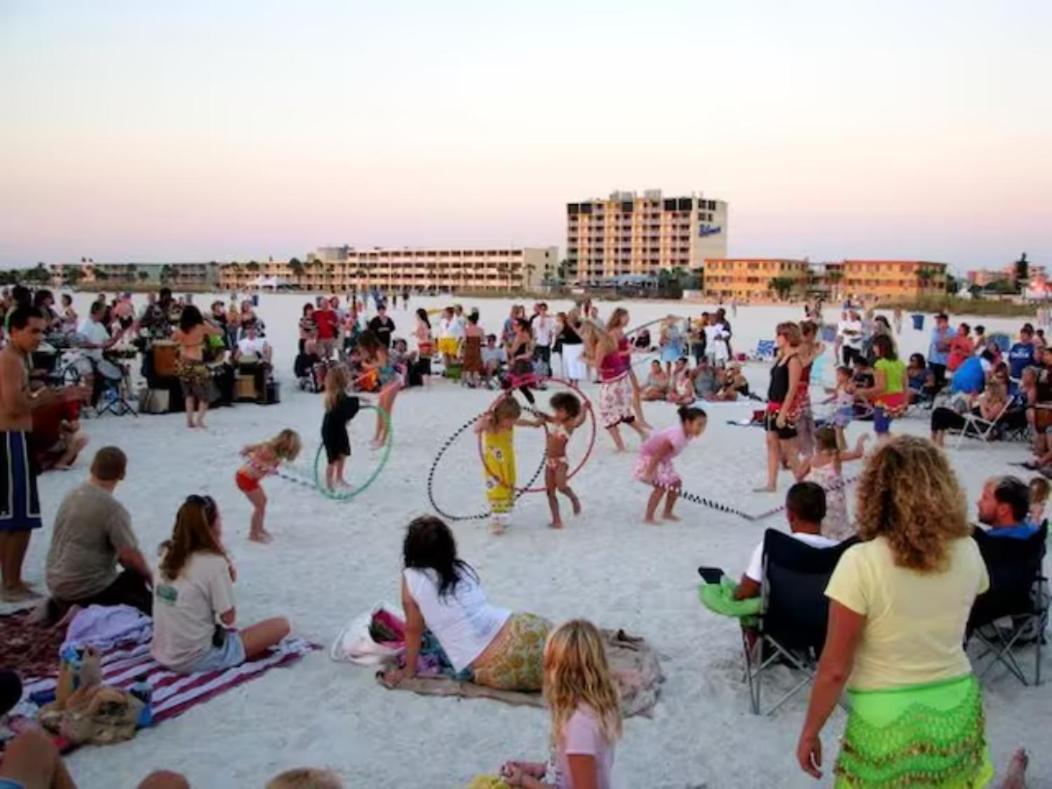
1004	507
805	507
91	536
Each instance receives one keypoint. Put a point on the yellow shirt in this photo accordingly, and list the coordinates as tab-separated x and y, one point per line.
915	621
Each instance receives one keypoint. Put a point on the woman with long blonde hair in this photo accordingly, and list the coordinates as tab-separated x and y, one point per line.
609	352
585	713
193	599
898	607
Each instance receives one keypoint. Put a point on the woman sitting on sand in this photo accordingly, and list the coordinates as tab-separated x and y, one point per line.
441	592
655	387
193	599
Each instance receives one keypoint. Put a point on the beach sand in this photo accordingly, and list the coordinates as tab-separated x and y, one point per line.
330	561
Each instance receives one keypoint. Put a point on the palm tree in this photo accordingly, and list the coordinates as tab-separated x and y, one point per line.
782	286
296	269
833	277
925	274
72	275
144	275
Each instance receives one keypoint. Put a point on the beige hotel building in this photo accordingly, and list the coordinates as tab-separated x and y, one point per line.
339	269
630	233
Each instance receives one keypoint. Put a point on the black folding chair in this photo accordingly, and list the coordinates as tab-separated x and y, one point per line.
794	613
1013	613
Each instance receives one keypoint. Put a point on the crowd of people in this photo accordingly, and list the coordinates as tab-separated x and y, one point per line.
915	563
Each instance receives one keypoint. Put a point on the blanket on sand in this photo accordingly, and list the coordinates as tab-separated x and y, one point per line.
27	649
633	662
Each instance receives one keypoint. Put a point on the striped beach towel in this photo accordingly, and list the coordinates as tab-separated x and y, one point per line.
174	694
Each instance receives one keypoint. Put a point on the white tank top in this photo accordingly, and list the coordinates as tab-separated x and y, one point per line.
462	621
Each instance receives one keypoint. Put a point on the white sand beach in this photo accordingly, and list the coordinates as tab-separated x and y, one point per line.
330	561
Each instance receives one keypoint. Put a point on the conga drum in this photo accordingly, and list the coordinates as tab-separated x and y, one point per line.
165	358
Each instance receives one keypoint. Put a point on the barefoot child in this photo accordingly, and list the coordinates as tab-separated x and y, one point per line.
825	468
843	399
568	417
585	713
497	429
654	465
261	460
340	408
376	357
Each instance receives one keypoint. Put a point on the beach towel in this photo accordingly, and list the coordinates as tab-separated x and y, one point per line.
633	662
29	650
719	598
173	694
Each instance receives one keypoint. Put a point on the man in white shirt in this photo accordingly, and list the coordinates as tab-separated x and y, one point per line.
805	507
94	339
849	337
252	357
543	329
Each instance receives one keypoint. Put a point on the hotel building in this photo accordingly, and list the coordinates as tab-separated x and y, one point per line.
890	279
743	278
642	234
193	276
339	269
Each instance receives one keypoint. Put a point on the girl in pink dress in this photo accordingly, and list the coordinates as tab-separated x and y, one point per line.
654	464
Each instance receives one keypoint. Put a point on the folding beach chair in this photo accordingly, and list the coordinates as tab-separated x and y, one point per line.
793	619
1013	613
986	429
765	351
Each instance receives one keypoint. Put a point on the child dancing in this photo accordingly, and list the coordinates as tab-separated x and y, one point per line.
376	357
340	408
261	460
497	429
654	464
825	468
568	416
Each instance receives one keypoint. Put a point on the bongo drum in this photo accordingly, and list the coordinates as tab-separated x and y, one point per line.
109	370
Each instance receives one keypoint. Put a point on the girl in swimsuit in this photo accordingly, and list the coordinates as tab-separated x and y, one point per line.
261	460
376	357
568	416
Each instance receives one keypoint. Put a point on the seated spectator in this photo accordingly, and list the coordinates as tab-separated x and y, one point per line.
493	358
971	376
442	593
656	386
805	508
682	390
988	406
253	356
705	384
1005	506
920	379
194	590
91	536
57	439
1024	353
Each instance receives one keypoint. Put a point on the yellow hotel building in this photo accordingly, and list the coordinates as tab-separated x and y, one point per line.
891	279
749	278
339	269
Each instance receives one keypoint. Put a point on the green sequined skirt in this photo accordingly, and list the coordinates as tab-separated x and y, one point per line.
922	735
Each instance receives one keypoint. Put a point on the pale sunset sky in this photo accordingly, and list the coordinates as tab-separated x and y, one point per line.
147	131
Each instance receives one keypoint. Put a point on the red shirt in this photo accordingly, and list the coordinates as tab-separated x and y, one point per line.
326	321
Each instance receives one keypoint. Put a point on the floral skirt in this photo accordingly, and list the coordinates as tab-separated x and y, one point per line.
921	735
664	477
615	401
195	379
518	660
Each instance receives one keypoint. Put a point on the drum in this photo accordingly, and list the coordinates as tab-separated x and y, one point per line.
109	370
165	358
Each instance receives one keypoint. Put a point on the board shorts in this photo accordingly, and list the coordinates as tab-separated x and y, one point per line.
19	499
448	346
245	483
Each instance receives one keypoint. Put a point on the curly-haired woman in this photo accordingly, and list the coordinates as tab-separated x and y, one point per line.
899	603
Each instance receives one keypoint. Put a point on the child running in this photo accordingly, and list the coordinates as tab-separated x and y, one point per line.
261	460
569	415
340	408
585	713
825	468
654	465
497	429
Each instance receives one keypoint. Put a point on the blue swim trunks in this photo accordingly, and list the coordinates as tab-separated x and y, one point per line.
19	500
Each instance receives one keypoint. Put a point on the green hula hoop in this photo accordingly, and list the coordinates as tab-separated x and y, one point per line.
319	479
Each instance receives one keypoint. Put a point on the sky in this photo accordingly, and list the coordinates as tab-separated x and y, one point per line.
143	131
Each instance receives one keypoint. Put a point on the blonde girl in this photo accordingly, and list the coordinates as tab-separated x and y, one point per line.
497	429
585	711
825	468
340	408
261	460
1039	490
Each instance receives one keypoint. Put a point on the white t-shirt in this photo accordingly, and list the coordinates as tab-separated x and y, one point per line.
186	610
755	569
445	327
456	327
851	340
582	737
462	621
96	334
716	341
542	330
251	346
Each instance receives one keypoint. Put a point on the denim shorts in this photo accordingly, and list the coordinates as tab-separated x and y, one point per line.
881	420
231	654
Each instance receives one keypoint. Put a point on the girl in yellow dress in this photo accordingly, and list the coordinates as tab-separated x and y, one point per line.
497	429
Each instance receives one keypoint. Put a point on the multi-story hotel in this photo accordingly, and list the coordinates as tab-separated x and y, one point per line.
194	276
633	234
883	279
339	269
743	278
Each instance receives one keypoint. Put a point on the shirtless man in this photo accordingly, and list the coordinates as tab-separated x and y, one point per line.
19	502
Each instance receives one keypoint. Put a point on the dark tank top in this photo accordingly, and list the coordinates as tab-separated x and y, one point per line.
779	386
